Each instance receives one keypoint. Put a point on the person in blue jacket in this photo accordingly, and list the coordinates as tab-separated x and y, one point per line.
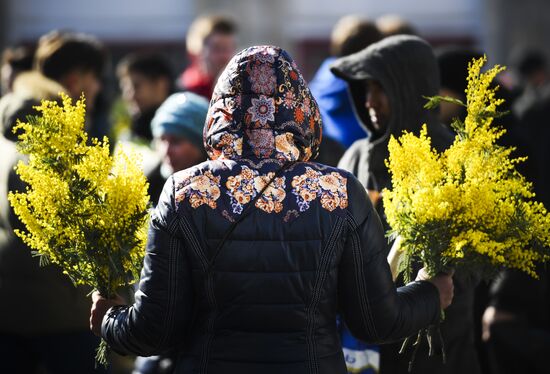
350	34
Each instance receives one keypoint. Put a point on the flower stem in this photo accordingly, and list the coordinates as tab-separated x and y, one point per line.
101	354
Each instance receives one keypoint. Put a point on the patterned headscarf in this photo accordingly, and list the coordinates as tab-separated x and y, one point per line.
261	108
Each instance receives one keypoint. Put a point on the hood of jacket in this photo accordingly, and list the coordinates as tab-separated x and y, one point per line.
262	108
406	68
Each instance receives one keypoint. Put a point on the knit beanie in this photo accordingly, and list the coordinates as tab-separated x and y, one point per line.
181	114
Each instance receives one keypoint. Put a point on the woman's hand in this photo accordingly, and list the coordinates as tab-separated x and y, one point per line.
444	284
100	306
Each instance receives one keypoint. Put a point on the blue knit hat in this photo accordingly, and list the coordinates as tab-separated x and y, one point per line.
181	114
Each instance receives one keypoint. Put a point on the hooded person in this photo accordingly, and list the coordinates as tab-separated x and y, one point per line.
251	253
389	82
405	68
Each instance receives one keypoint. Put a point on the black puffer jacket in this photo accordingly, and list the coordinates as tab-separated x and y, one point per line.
310	246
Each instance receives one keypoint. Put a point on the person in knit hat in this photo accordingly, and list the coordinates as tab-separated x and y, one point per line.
177	135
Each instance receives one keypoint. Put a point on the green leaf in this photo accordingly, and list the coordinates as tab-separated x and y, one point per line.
434	101
492	114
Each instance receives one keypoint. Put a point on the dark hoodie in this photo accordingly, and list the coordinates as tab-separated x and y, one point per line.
407	70
265	299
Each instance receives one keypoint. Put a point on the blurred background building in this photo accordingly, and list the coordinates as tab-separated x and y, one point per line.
301	26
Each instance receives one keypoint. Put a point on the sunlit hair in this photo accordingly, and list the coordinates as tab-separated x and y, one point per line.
203	27
393	24
60	52
352	34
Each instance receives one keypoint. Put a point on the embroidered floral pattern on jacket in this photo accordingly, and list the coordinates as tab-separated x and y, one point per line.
289	100
262	116
262	78
261	141
330	188
273	196
240	188
244	187
262	110
264	54
286	148
199	190
333	191
230	146
261	95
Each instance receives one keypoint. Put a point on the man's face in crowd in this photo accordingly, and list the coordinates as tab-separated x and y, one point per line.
378	105
80	82
218	49
178	152
143	93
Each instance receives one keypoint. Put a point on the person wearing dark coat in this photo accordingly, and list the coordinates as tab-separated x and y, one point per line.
516	323
532	109
251	254
44	317
388	82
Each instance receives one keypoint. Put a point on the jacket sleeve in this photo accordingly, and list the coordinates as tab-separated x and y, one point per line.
158	319
374	310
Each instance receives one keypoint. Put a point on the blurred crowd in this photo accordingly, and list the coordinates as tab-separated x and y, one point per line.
370	87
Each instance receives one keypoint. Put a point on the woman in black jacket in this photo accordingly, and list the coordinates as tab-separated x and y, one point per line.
253	253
